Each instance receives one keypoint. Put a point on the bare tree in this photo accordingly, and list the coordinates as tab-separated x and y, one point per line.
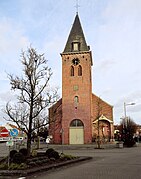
35	95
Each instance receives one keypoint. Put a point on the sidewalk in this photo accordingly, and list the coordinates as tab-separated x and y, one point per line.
43	146
76	146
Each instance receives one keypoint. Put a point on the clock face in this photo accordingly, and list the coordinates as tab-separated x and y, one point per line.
75	61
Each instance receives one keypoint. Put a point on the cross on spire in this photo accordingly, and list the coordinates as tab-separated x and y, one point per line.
77	6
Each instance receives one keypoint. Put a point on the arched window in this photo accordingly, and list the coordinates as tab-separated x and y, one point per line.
76	123
72	71
79	70
76	99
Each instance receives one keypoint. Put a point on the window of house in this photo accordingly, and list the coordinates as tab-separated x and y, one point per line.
79	70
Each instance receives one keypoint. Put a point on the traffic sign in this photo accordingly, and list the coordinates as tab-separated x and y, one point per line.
10	138
9	143
14	132
4	132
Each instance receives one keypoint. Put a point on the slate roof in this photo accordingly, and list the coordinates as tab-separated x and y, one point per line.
76	35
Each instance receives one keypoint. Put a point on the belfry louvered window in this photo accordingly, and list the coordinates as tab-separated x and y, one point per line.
79	70
72	71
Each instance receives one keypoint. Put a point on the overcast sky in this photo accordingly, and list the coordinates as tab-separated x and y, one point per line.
112	28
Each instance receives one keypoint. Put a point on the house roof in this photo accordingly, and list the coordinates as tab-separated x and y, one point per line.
93	95
57	104
11	126
76	35
102	117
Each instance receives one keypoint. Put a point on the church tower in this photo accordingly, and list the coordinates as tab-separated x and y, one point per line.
76	88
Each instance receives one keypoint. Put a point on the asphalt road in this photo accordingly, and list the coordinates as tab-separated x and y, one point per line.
106	164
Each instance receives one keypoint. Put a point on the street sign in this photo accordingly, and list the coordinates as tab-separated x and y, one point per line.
4	132
14	132
10	138
9	143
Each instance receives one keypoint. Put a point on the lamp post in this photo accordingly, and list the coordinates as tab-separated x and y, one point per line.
62	134
125	117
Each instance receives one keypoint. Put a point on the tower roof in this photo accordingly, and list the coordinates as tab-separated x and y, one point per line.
76	36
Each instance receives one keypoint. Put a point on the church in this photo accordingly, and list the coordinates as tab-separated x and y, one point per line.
79	117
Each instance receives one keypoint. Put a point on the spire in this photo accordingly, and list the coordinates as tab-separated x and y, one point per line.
76	41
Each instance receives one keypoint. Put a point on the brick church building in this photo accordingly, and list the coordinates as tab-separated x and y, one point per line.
79	117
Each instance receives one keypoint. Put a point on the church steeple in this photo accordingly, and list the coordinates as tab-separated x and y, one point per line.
76	41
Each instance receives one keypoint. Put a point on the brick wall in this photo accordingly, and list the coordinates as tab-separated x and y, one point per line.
55	118
76	86
101	108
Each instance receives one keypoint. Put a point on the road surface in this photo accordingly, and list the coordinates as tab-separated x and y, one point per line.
106	164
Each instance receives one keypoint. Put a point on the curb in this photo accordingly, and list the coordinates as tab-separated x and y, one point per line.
42	168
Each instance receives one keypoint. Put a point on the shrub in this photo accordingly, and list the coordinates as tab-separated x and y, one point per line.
3	160
34	153
128	140
3	166
34	159
129	143
54	154
48	151
51	153
45	161
42	157
12	153
23	151
22	166
32	164
39	162
18	158
67	157
52	159
15	166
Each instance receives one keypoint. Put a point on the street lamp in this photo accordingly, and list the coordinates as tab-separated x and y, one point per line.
125	117
62	134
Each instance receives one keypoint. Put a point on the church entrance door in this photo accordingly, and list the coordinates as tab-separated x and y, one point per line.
76	132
